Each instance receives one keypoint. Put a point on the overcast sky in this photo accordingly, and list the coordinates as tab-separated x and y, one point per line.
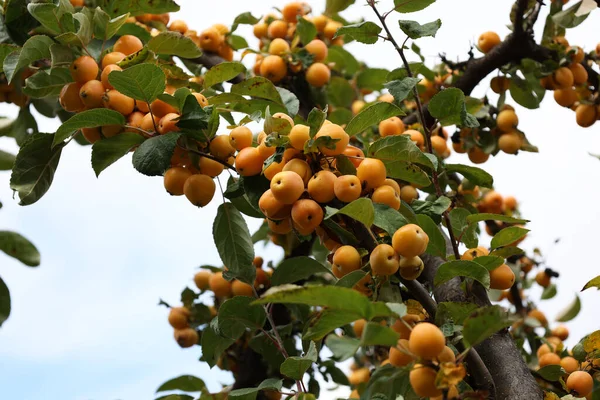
86	325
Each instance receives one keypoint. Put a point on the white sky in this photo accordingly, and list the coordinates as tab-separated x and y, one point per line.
85	324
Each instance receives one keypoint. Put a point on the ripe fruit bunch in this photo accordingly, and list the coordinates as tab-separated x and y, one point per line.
501	277
570	83
212	40
283	53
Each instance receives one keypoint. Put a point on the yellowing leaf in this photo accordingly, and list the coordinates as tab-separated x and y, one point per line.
593	283
592	342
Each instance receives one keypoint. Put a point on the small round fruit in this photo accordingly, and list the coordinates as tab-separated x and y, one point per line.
114	100
174	180
408	193
405	324
201	279
565	97
260	30
439	145
112	59
300	167
281	227
477	156
502	278
447	355
273	169
318	75
358	327
179	317
359	376
471	254
549	359
321	186
410	241
291	11
586	115
239	288
391	126
240	137
199	189
178	26
371	173
561	332
273	68
318	49
569	364
411	267
384	260
168	123
298	136
249	162
543	279
307	215
507	120
416	137
104	76
186	337
354	154
487	41
219	285
400	355
272	208
287	187
69	97
500	84
580	383
385	194
537	314
335	132
347	188
393	184
92	135
426	341
277	29
221	148
563	78
580	74
345	260
278	47
84	69
510	143
91	93
422	379
128	44
201	99
331	28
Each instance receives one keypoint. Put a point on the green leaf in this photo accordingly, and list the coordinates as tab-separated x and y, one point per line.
47	83
375	334
237	314
213	344
475	175
119	7
433	209
361	210
106	151
592	283
372	78
328	296
364	32
251	393
236	42
507	236
87	119
234	243
549	292
339	92
257	87
462	229
414	30
469	269
401	156
174	44
175	397
153	157
388	219
62	56
342	347
351	279
7	160
315	120
16	246
335	6
36	48
80	37
342	60
344	165
245	18
290	101
570	311
449	107
408	6
5	50
222	73
34	167
524	93
437	243
140	82
489	262
4	302
297	268
453	311
195	120
185	383
400	89
49	15
551	373
327	321
483	323
135	30
569	18
106	27
306	30
295	367
506	252
495	217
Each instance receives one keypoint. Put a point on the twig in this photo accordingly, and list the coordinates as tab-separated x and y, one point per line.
209	156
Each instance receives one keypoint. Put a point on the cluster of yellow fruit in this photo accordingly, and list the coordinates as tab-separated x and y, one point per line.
277	41
422	346
578	379
439	136
211	40
501	278
570	85
179	319
222	288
